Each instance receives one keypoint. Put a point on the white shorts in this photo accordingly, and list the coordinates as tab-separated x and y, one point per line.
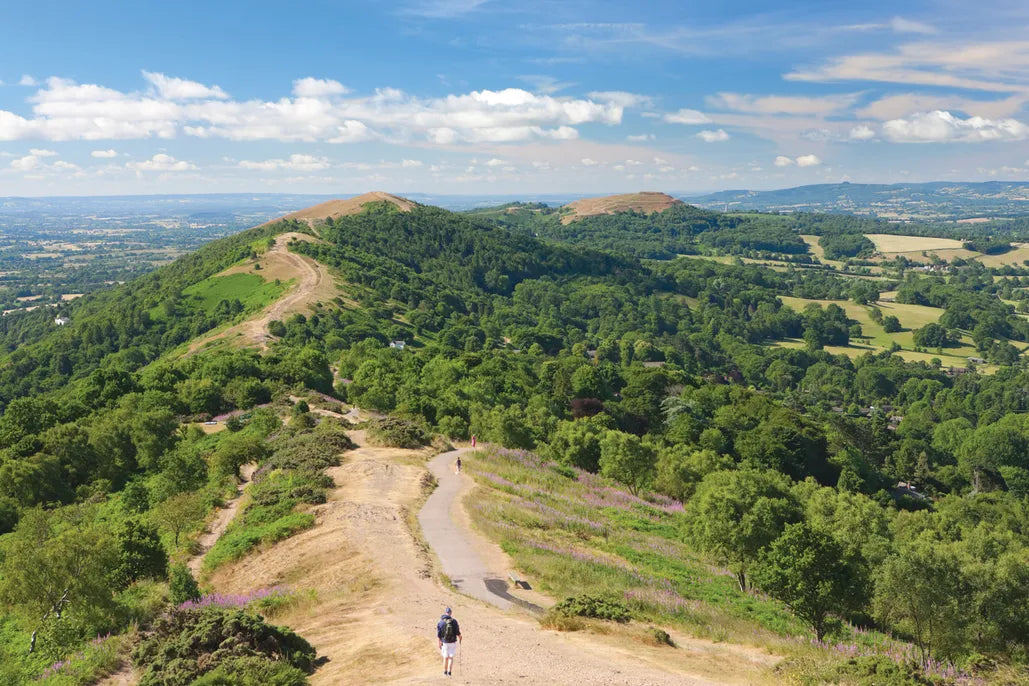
448	649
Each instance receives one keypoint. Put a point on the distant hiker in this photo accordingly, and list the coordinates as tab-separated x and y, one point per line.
458	464
449	635
473	440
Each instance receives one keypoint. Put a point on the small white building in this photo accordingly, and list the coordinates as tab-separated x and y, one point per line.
399	345
61	321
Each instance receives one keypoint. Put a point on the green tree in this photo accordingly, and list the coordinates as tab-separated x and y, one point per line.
807	570
918	591
179	513
577	442
890	324
734	515
57	563
625	458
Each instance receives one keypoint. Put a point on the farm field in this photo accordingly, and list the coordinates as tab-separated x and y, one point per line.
875	339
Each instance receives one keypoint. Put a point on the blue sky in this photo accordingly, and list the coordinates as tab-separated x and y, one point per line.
485	96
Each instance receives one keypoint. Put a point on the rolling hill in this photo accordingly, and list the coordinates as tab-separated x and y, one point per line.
645	202
635	412
903	201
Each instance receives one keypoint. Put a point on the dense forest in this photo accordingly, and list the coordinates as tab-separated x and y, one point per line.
910	479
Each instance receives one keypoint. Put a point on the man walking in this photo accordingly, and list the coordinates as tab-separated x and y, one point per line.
449	635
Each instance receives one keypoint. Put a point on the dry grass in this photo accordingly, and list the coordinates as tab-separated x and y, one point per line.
646	201
339	208
889	243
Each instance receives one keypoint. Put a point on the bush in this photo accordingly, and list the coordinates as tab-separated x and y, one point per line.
594	607
140	555
661	637
181	585
187	644
393	432
252	671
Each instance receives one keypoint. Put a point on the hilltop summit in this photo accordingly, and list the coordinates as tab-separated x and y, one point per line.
644	201
340	208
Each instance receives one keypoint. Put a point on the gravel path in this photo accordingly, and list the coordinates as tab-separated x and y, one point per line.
459	560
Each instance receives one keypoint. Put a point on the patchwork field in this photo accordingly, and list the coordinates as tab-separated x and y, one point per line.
875	339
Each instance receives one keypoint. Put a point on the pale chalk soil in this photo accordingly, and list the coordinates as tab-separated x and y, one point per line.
377	601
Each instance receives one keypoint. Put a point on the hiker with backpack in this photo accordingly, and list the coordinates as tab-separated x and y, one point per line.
448	632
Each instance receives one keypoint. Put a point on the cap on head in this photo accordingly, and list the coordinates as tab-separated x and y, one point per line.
448	611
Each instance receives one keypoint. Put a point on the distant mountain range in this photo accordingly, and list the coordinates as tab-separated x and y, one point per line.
901	201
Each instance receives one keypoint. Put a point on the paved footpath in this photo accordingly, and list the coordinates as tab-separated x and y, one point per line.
458	557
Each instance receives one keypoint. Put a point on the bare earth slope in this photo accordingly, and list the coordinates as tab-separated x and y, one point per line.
339	208
645	201
377	602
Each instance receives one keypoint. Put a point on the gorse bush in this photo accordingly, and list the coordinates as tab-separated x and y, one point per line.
394	432
187	644
252	671
593	607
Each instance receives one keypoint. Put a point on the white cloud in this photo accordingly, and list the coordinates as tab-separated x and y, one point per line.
496	162
687	116
641	138
990	66
901	105
173	88
65	110
295	162
940	127
161	162
410	164
38	152
801	161
545	84
587	162
902	25
104	154
26	163
782	104
310	87
27	80
862	132
621	98
713	136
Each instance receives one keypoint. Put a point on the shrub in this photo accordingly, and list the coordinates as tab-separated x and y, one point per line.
661	637
187	644
393	432
140	555
252	671
181	585
594	607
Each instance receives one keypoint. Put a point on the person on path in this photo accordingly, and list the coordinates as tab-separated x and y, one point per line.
448	633
458	464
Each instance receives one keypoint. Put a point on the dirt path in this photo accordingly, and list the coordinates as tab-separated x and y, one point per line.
377	602
221	520
313	284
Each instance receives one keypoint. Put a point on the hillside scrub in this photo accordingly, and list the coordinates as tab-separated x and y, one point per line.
293	476
187	644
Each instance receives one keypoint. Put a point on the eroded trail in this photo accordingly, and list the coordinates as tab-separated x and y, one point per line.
221	520
377	604
313	283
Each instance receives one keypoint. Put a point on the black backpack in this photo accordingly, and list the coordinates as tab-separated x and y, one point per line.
449	630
